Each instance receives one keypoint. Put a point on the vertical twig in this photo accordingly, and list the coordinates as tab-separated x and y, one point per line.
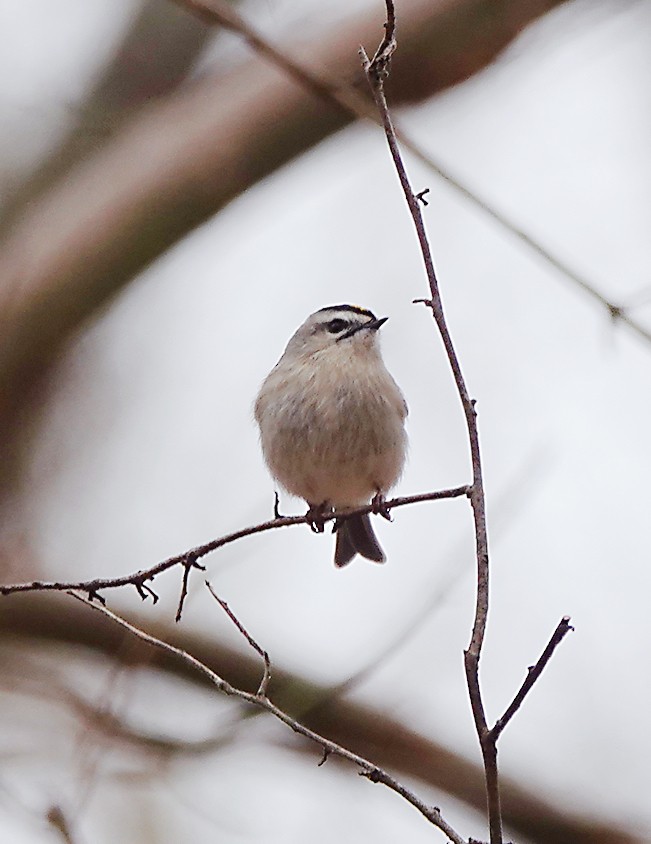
376	71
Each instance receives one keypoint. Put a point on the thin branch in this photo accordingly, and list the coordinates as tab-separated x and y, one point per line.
189	558
367	768
533	674
376	72
266	677
189	563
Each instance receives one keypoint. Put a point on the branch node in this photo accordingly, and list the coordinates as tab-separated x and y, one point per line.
427	302
372	774
420	196
616	311
93	595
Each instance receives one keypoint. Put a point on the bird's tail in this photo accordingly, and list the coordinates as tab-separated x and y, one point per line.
356	536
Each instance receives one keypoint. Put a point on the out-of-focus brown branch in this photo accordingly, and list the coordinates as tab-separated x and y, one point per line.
154	56
56	818
183	159
54	621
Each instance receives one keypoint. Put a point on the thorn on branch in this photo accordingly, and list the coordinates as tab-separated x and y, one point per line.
324	758
277	514
427	302
420	196
93	595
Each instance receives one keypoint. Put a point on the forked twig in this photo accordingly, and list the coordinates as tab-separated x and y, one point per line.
367	768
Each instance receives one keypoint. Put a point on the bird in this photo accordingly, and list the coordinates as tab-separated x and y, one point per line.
332	424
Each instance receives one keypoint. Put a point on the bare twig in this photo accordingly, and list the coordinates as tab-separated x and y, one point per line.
377	70
534	672
367	768
189	558
189	563
266	677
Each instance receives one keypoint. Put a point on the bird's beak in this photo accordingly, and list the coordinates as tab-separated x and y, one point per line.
373	325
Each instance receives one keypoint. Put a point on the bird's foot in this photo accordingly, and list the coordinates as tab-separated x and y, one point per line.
380	508
316	516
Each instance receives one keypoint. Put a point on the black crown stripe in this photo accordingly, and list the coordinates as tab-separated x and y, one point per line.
355	309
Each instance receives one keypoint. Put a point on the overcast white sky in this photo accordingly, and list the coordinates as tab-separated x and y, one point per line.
151	447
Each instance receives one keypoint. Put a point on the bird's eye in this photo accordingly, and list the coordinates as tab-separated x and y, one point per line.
336	325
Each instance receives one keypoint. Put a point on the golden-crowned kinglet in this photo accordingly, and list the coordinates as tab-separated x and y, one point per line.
331	423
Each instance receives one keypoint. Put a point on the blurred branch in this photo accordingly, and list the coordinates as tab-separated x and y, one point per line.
260	700
183	159
377	71
354	103
55	620
56	818
189	559
154	56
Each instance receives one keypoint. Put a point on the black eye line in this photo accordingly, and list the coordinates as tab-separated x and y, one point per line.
354	328
336	325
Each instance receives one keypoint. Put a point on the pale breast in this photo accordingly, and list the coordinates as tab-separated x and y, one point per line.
333	437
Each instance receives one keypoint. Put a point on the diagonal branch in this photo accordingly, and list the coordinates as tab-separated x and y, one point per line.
350	101
51	623
260	700
266	677
534	672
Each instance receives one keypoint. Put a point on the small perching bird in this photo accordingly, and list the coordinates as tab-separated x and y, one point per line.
331	422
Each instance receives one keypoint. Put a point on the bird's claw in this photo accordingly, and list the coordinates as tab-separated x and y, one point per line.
315	516
380	508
